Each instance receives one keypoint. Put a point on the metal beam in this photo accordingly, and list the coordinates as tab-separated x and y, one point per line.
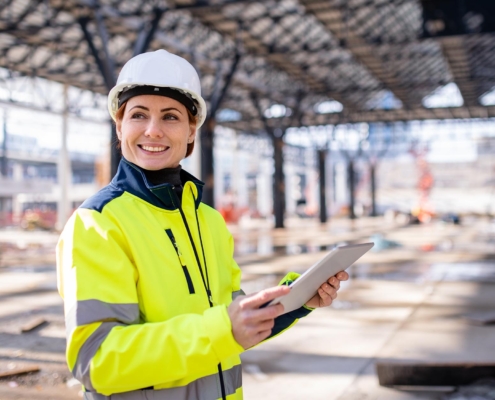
207	136
146	35
364	53
217	98
278	60
454	49
107	69
109	78
25	13
400	115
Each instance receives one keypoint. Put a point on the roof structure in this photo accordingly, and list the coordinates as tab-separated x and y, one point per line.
378	58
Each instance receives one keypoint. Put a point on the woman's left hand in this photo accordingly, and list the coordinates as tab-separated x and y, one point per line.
328	291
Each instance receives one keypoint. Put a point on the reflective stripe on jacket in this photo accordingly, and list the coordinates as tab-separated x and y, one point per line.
146	283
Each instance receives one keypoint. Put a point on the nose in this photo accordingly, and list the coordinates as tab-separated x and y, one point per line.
153	129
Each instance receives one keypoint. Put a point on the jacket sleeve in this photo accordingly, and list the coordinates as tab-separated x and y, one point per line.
236	271
109	349
285	321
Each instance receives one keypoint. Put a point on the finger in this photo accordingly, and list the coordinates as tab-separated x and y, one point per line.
326	299
334	282
328	289
264	314
265	325
342	276
323	294
258	299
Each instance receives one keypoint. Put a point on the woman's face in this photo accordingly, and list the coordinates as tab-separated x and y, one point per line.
154	132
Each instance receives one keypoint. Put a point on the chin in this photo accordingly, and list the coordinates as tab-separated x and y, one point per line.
155	165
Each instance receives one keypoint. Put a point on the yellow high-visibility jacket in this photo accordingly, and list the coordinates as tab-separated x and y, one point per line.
146	283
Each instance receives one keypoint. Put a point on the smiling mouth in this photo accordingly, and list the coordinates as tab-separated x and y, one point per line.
153	149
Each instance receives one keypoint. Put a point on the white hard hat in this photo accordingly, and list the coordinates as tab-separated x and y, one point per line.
156	70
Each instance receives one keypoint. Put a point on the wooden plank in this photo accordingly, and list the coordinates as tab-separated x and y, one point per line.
398	373
19	371
33	324
481	318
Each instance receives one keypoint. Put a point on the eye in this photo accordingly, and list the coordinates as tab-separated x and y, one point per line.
170	116
137	115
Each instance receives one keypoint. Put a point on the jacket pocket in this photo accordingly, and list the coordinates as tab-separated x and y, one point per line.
181	260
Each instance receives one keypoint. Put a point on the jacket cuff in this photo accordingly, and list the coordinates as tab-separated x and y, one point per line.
219	329
289	278
301	312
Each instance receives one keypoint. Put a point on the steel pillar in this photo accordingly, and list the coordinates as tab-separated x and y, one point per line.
373	189
3	165
207	161
63	168
352	194
207	136
278	181
322	155
106	63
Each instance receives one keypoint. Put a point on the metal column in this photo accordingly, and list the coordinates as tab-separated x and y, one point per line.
322	155
352	194
278	181
207	135
373	189
3	166
207	161
63	167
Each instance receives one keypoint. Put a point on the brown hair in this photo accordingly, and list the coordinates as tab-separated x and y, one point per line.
119	116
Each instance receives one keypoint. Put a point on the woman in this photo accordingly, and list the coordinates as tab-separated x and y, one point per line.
146	269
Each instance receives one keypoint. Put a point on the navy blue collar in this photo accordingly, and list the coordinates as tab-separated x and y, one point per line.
131	178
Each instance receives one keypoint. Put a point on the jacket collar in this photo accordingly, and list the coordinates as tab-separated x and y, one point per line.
131	178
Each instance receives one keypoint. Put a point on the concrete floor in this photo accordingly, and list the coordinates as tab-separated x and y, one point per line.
402	303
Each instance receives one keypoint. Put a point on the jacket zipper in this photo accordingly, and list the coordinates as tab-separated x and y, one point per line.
181	260
220	371
206	282
206	285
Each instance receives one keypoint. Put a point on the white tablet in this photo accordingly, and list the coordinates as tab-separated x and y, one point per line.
306	286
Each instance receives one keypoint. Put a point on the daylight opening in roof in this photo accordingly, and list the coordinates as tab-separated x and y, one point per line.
384	100
228	115
446	96
277	111
488	99
328	107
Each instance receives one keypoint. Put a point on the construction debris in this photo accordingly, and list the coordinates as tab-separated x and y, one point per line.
33	324
19	371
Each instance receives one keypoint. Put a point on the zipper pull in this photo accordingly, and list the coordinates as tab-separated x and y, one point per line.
210	298
176	246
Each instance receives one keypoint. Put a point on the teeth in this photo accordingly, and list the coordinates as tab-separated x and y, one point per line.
149	148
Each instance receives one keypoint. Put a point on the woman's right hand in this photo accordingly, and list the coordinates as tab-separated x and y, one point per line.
251	324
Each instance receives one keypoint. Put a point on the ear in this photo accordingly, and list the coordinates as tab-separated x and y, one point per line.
117	129
192	134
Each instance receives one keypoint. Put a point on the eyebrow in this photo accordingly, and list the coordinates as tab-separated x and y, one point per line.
162	110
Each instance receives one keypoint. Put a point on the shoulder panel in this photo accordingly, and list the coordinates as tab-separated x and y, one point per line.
98	201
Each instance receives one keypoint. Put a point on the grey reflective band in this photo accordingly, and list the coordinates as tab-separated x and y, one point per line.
206	388
86	312
88	350
237	293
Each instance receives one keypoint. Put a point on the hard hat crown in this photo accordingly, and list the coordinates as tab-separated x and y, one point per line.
163	69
